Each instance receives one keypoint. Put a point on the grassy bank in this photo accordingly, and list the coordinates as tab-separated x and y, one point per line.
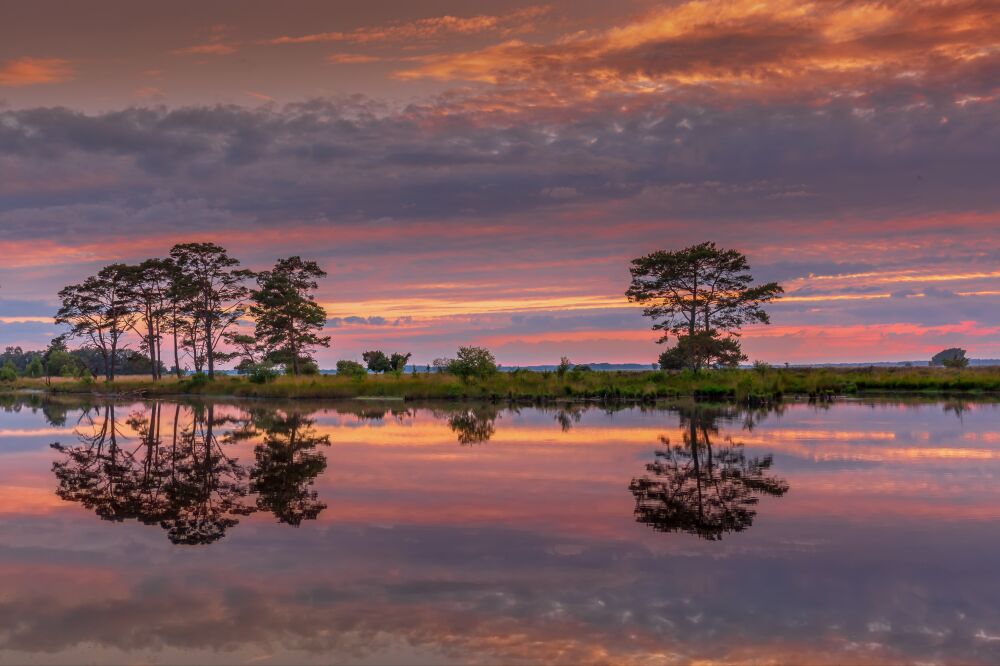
757	385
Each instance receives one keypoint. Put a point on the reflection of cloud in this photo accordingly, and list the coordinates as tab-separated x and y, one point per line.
522	551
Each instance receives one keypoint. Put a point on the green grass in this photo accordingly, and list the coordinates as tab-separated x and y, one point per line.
757	385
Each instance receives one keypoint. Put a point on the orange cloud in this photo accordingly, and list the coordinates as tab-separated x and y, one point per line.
34	71
426	28
351	59
206	49
746	47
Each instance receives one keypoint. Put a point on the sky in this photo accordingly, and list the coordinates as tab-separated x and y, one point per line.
482	173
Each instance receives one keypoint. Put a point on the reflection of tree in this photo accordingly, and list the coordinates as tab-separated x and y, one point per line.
700	488
376	412
957	407
287	464
474	425
98	474
568	415
206	488
189	484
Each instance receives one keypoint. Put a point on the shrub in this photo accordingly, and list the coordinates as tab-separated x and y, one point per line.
258	373
397	362
198	379
8	373
351	369
377	361
309	368
474	362
704	349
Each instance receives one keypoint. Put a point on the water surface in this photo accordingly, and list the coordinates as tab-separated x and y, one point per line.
259	532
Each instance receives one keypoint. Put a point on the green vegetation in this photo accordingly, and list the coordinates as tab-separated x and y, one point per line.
347	368
377	361
759	385
469	363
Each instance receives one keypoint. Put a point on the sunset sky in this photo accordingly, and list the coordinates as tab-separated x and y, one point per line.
481	173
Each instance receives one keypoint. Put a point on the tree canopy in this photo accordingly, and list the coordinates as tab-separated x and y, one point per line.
700	289
216	291
288	320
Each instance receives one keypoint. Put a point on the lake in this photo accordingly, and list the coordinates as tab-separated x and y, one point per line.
388	533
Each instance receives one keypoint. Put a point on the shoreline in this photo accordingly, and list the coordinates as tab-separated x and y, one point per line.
750	386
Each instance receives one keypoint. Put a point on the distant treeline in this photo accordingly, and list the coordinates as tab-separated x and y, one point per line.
59	361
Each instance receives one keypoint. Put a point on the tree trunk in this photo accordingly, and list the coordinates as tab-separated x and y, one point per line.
151	344
294	348
177	354
159	349
209	347
109	373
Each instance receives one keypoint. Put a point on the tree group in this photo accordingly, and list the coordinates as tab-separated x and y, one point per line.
194	298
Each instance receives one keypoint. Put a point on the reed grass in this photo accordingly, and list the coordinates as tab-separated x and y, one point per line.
759	384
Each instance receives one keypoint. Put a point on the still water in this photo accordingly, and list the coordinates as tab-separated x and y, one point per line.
370	533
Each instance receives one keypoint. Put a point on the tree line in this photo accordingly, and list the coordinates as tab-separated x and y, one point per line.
700	297
192	301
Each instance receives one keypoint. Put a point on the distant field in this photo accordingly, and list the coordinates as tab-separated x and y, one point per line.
744	384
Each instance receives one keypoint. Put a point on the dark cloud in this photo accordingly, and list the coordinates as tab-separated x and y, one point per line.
331	162
338	322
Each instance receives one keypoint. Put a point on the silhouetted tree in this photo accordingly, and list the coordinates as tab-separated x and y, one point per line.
214	290
98	310
149	286
287	317
701	288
